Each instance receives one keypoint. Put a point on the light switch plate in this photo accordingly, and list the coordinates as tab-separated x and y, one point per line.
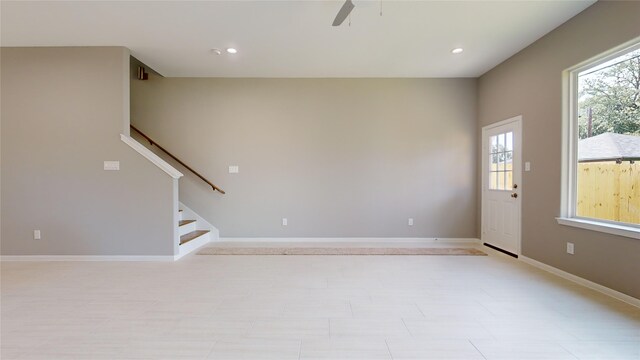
410	222
285	222
112	165
36	235
527	166
570	248
234	169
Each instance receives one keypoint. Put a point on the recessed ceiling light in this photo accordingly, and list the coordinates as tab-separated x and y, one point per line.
232	50
457	50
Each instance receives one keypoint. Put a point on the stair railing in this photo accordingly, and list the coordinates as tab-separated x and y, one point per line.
152	142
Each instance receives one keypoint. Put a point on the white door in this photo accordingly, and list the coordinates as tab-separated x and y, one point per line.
502	185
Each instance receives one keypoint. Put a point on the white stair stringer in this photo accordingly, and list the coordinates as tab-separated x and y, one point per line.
200	224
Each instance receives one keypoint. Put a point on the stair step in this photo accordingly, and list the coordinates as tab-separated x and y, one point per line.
186	226
185	222
192	235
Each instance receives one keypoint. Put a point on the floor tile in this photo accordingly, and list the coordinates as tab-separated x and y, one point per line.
308	307
258	349
358	328
603	350
522	350
357	348
290	328
425	349
447	330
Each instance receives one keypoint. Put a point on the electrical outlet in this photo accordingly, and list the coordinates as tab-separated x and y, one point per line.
285	222
234	169
36	235
570	248
410	222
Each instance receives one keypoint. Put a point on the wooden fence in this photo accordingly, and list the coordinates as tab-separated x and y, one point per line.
609	191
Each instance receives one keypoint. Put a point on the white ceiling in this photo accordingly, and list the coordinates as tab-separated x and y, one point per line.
294	38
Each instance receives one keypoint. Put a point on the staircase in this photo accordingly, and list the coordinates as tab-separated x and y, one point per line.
190	237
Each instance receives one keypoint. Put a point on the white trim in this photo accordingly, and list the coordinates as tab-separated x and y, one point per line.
85	258
175	210
566	175
568	200
615	229
155	159
584	282
355	240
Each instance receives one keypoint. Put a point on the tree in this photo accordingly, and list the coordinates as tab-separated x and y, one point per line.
613	95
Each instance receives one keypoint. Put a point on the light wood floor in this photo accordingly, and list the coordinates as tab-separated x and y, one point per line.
308	307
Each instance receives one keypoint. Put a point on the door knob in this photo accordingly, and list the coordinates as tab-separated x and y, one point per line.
514	195
515	186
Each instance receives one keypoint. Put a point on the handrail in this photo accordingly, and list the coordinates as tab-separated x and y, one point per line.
152	142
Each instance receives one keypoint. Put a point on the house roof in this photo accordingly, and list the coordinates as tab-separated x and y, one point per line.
609	146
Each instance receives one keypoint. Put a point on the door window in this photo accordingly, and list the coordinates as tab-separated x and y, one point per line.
501	161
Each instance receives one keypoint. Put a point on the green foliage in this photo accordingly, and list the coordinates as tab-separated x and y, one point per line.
613	95
499	154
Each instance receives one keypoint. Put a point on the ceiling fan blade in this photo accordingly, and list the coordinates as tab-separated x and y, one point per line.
345	10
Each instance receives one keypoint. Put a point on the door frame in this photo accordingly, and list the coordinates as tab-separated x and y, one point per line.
517	122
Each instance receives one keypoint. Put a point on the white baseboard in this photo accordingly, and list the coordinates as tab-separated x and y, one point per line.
584	282
86	258
354	240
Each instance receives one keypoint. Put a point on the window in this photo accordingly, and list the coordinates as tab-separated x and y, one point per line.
602	137
501	156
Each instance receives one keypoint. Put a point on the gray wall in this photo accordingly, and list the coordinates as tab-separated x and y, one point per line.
530	83
337	157
63	110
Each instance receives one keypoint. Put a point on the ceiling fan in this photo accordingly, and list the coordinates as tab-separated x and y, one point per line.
343	13
346	8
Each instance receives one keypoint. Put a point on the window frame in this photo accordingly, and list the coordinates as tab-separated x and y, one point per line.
570	148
